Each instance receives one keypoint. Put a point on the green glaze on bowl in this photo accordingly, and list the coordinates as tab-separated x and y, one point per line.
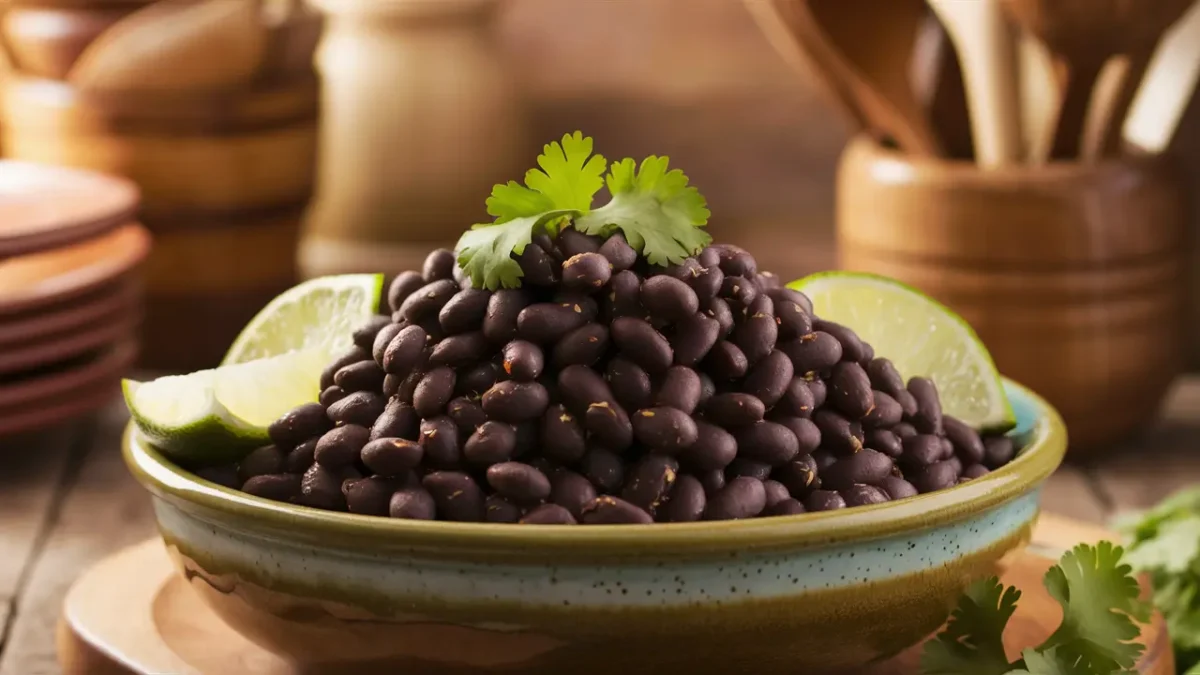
794	594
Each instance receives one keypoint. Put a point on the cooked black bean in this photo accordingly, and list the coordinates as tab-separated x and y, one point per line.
713	481
725	361
850	390
819	391
886	412
838	434
797	398
604	468
547	322
974	471
921	450
813	353
693	338
573	242
884	376
736	260
770	380
497	509
740	292
391	385
680	389
465	311
571	491
368	496
640	343
259	462
624	295
709	257
757	335
364	335
398	420
852	345
866	466
493	442
562	437
904	430
707	389
392	456
824	459
686	503
965	439
404	352
527	438
648	483
434	391
609	424
280	487
742	466
580	387
947	447
928	418
664	429
383	338
583	346
620	255
503	308
668	297
456	494
824	500
439	440
479	379
439	264
706	282
808	435
408	387
362	376
936	476
548	514
776	492
361	408
523	360
713	449
607	510
321	488
897	488
301	457
799	476
785	507
954	462
884	441
404	285
459	350
586	272
718	309
793	321
767	442
414	503
742	497
868	354
298	425
733	409
428	300
515	402
519	482
792	295
466	413
862	495
537	267
997	451
352	355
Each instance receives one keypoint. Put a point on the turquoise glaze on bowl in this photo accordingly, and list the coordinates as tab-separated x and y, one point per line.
795	594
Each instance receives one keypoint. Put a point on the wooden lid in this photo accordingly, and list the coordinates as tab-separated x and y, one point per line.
43	206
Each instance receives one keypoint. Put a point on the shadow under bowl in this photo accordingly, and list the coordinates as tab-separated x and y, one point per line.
796	594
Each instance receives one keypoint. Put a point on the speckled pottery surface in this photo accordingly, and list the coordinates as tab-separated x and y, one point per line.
798	594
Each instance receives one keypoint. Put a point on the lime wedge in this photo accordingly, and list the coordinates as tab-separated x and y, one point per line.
921	336
320	314
216	416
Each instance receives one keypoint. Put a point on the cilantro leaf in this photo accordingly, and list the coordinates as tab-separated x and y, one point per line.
1173	548
658	212
483	250
1099	597
972	641
1049	662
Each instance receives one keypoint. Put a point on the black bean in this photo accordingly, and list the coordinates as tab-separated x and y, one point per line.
364	335
884	441
405	351
713	481
547	322
398	420
707	389
579	303
947	448
863	495
664	429
793	321
523	360
428	300
776	492
785	507
583	346
414	503
954	462
479	379
867	466
391	385
408	387
936	476
706	282
404	285
459	350
797	398
640	343
740	292
573	242
321	488
607	510
351	355
896	488
669	298
368	496
884	376
684	270
868	354
771	380
735	260
928	418
609	424
465	311
383	338
824	459
515	402
624	295
742	497
713	449
298	425
734	409
814	353
965	439
648	483
548	514
537	267
743	466
392	456
756	336
527	439
974	471
710	256
456	494
850	390
799	476
852	346
439	264
497	509
280	487
687	501
586	272
562	438
503	308
693	338
434	391
784	293
808	435
519	482
361	408
819	391
725	361
921	450
571	491
718	309
997	451
904	430
886	413
767	442
580	387
301	457
466	413
493	442
439	440
824	500
680	389
604	468
618	252
838	434
361	376
341	446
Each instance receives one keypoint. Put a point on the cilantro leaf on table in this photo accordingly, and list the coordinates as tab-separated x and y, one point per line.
659	214
973	638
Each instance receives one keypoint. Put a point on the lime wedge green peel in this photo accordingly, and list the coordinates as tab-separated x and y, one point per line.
921	336
317	314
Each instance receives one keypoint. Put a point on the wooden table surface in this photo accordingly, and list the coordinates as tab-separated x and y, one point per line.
66	501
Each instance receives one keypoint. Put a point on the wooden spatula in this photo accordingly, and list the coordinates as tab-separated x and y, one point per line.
1170	83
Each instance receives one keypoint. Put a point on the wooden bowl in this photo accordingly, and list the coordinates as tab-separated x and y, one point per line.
1071	274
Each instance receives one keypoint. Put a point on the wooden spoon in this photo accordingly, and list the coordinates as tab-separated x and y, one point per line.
865	63
176	45
1169	86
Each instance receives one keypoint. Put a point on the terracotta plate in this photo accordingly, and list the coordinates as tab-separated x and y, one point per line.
61	384
16	362
39	279
44	207
101	307
45	415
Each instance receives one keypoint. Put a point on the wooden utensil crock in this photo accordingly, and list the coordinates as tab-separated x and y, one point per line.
1071	274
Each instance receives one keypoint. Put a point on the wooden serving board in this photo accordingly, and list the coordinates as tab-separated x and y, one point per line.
132	615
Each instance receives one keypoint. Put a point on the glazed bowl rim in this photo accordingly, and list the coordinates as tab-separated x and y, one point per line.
1042	452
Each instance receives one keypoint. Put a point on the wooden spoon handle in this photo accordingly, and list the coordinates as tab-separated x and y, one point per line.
1114	108
1081	76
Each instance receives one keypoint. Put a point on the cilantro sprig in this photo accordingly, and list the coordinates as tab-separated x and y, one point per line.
654	207
1099	597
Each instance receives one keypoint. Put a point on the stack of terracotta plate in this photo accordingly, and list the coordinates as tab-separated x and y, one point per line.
70	296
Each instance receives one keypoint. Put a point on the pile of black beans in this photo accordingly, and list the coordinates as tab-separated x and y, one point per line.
608	391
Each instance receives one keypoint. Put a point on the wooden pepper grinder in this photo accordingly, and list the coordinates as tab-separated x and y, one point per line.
419	120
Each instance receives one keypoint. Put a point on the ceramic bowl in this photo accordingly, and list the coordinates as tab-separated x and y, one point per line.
343	593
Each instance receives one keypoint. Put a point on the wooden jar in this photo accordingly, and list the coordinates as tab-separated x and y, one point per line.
419	119
1071	274
225	177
